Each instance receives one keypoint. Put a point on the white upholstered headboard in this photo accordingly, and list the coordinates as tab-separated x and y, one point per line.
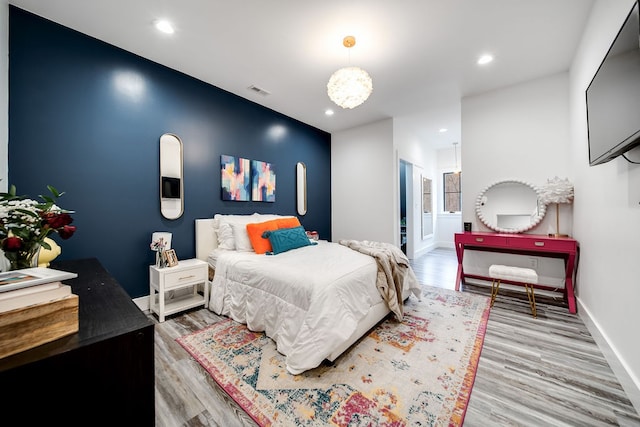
206	239
207	236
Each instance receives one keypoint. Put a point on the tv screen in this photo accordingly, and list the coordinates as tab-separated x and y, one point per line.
613	96
170	188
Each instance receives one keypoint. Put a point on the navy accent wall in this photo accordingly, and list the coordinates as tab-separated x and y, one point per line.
86	117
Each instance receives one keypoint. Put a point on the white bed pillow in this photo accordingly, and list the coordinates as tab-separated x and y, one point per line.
237	238
241	237
226	240
224	232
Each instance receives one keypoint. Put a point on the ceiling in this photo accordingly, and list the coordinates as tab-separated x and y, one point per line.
421	54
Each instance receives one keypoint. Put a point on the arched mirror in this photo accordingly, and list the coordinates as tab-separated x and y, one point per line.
510	206
171	182
427	208
301	188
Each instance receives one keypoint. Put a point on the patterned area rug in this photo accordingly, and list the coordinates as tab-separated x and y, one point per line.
418	372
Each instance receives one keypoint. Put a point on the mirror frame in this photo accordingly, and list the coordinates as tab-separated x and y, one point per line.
422	185
171	166
301	188
542	208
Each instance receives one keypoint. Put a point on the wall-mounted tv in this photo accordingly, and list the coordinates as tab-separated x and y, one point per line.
613	96
170	188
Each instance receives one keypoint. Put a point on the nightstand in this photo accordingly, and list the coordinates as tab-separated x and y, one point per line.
188	274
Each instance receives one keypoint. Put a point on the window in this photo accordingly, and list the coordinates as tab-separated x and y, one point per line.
452	199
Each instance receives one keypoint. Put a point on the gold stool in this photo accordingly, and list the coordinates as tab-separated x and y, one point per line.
527	276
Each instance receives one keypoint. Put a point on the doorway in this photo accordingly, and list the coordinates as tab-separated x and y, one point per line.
404	166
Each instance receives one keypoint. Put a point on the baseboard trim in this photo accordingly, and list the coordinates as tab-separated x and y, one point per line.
629	383
448	245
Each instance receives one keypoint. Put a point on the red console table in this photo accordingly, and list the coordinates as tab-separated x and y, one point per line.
526	244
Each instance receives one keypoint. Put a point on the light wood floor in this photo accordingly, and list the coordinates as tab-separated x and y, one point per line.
532	372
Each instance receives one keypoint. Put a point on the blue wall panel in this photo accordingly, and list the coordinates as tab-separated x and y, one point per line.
86	117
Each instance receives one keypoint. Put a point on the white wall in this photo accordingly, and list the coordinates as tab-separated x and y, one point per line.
606	208
367	158
520	132
4	93
364	184
422	156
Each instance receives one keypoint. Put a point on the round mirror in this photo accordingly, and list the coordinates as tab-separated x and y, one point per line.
510	206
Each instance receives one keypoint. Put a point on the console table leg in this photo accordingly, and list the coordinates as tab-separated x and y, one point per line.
458	277
571	298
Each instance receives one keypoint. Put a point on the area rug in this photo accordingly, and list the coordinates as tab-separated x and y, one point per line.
416	373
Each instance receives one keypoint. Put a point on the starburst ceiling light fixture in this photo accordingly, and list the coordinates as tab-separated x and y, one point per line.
349	86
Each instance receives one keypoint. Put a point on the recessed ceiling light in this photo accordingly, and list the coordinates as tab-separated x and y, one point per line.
164	26
442	130
328	112
485	59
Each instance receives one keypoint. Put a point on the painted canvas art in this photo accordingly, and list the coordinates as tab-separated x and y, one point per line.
235	178
263	178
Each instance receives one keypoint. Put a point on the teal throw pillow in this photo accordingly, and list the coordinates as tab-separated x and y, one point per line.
285	239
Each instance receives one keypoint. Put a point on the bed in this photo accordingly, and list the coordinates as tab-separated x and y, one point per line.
314	301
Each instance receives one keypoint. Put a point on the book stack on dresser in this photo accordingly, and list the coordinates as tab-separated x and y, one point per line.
36	307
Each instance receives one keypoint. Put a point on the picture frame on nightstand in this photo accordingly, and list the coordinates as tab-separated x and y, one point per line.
172	258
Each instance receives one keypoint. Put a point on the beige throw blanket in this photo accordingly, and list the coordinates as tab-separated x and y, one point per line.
393	271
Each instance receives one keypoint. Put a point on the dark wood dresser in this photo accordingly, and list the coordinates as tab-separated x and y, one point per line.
102	375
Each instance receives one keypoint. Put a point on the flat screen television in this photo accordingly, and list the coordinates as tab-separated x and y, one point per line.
170	188
613	96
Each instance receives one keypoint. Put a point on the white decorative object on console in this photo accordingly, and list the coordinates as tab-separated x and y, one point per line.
557	191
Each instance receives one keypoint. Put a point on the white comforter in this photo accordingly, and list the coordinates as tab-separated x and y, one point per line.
308	300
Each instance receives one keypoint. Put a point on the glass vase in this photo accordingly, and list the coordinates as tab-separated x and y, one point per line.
161	260
26	257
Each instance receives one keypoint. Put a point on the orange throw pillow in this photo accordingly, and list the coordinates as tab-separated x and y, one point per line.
255	230
288	222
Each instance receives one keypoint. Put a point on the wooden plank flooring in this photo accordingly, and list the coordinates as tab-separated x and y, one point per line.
532	372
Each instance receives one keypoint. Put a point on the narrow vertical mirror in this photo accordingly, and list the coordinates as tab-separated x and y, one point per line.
171	182
301	188
427	208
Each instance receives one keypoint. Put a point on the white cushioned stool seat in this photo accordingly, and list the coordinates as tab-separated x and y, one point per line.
525	276
517	274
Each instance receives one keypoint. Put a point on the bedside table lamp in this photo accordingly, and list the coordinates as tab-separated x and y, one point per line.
557	191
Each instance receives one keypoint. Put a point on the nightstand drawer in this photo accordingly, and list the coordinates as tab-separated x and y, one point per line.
184	276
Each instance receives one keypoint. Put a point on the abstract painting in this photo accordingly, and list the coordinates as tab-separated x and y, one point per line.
263	181
235	178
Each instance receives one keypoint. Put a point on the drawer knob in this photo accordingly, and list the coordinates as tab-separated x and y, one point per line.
538	243
479	239
187	277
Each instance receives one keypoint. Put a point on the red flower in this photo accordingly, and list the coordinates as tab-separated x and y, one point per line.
12	244
67	231
56	220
